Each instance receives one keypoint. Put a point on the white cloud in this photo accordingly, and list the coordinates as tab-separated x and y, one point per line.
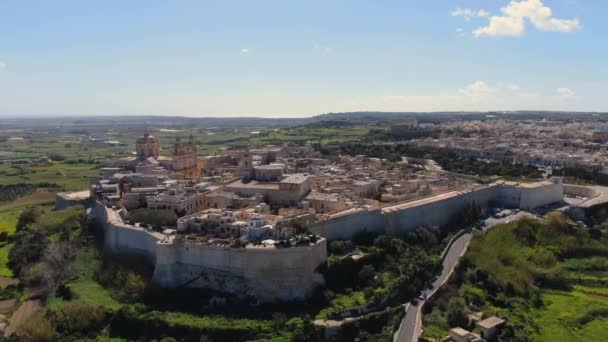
501	26
468	13
513	87
565	93
512	22
475	90
244	50
2	65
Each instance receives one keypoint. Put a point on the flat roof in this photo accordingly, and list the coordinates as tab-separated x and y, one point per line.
490	322
296	178
459	331
253	185
75	195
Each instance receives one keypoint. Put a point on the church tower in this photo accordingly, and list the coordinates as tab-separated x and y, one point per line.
184	158
147	146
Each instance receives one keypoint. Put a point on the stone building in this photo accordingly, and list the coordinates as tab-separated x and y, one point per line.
184	157
178	199
147	146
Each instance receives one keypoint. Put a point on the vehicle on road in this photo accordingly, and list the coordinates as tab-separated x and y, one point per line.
422	296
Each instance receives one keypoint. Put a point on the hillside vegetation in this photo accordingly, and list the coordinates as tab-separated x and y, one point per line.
546	278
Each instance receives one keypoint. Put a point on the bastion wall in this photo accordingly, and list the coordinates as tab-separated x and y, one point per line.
266	273
440	210
271	274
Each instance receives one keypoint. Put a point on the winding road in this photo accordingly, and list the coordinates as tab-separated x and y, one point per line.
409	329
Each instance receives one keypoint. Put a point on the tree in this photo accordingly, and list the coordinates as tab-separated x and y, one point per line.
457	312
27	249
340	247
27	217
57	263
134	286
367	273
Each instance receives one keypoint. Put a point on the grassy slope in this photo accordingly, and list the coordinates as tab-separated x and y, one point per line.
561	317
557	320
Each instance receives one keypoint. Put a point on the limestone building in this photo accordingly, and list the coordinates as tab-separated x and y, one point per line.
147	146
184	158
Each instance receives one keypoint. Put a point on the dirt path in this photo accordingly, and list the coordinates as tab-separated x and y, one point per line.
25	310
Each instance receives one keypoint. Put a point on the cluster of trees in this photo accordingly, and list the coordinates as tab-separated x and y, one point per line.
584	175
155	218
45	245
128	277
391	266
447	159
11	192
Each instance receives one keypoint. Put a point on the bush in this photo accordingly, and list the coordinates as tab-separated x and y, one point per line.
341	247
37	329
77	316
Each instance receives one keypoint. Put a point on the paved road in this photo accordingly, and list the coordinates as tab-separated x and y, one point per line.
411	325
409	329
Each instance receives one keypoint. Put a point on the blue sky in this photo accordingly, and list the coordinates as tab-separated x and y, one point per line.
300	58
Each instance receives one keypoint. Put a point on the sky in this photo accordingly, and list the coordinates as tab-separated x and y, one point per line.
300	58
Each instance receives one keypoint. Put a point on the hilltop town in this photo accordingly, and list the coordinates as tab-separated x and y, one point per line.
363	225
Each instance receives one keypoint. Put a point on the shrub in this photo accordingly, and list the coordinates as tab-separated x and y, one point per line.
77	316
36	329
341	247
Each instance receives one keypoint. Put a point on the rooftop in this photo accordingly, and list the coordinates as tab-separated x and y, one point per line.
490	322
459	332
76	195
297	178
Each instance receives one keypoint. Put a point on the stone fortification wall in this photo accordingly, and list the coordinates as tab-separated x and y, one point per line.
267	274
347	226
439	210
541	195
122	238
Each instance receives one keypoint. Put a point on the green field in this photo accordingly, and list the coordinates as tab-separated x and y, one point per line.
559	319
71	177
